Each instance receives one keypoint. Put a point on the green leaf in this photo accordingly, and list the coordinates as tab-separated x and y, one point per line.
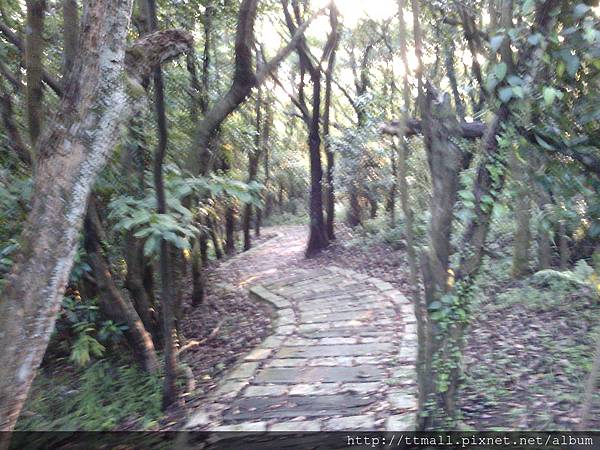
549	95
518	92
500	70
535	39
435	305
466	196
543	143
572	65
505	94
496	42
491	82
151	245
487	199
580	10
528	6
514	80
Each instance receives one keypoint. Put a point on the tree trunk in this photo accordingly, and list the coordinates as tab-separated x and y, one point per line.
280	193
450	50
257	222
70	36
544	250
544	236
590	389
134	283
11	127
373	206
112	302
214	238
317	239
166	274
520	260
330	203
390	206
444	335
230	213
244	79
197	278
72	152
563	245
253	158
423	367
34	52
199	100
353	215
133	168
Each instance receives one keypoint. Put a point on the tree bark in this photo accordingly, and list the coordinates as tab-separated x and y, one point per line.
230	214
217	247
317	239
330	192
563	245
34	289
253	159
70	154
199	100
544	236
34	52
167	294
520	260
70	36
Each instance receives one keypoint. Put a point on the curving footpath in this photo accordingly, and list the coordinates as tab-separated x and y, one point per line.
342	356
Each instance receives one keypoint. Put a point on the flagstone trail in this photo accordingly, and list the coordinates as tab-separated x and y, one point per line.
342	355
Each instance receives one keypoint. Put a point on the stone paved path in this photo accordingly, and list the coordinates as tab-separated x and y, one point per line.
342	356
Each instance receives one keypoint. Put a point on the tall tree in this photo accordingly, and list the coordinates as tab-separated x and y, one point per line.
448	291
317	239
404	198
253	160
34	51
69	155
166	273
330	205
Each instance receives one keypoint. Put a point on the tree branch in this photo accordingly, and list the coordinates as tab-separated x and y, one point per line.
11	37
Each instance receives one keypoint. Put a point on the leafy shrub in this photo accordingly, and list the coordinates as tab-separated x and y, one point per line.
287	218
83	330
581	276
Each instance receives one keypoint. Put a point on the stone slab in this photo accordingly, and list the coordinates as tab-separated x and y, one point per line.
319	374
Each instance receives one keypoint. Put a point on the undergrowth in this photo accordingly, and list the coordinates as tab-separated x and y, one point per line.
107	395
